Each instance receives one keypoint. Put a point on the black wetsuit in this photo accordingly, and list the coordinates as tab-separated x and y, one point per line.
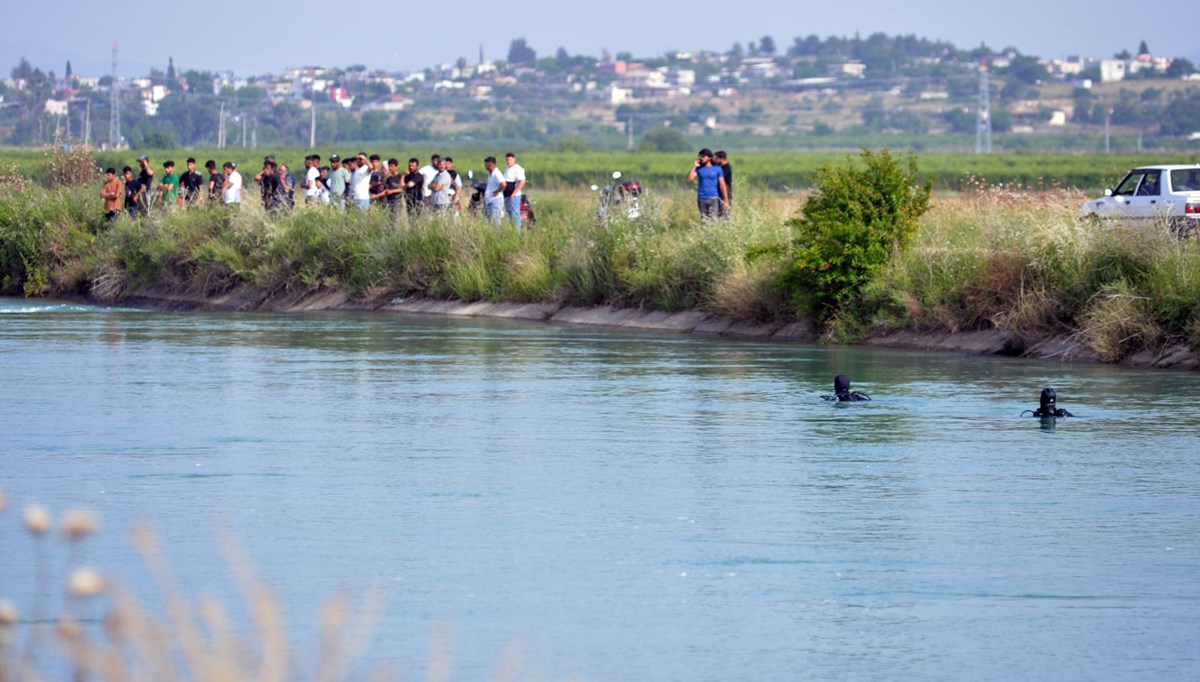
842	392
1049	412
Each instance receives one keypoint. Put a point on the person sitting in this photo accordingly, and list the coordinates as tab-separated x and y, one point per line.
1048	407
842	392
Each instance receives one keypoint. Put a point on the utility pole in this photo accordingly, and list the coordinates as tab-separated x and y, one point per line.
1107	119
87	121
312	127
243	131
983	126
221	128
629	129
114	116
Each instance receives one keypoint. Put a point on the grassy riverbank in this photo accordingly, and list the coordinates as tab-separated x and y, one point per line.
989	258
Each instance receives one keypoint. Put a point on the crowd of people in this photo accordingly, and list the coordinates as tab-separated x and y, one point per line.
360	181
364	181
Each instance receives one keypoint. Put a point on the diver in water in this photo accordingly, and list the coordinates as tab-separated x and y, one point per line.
1049	406
842	392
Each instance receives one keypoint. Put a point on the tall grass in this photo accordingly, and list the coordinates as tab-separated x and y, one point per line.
83	625
1004	258
994	257
668	260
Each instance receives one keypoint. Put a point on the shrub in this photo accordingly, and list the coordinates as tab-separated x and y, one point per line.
860	214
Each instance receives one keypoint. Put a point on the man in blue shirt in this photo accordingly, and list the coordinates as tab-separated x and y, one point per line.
711	194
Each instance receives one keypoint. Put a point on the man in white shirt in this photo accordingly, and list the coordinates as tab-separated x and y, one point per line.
312	184
233	184
493	196
514	177
439	197
428	171
360	184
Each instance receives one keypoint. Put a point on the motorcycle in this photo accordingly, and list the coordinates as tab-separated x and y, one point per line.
478	189
620	199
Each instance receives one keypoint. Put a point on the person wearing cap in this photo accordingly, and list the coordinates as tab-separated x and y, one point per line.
339	177
168	187
190	184
711	193
146	177
216	181
112	192
232	189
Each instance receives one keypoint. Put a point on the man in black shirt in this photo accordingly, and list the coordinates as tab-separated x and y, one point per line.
393	187
216	181
272	190
133	191
414	188
146	177
190	183
722	160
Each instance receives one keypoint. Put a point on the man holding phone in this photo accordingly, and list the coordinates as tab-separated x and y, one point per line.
711	194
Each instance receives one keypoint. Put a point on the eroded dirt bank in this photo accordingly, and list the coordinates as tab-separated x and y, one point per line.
987	342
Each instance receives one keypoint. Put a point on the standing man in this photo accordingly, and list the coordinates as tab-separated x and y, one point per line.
133	191
191	182
455	183
269	182
722	160
393	187
216	181
514	178
710	190
112	192
414	188
439	194
493	195
312	183
339	177
169	186
146	177
232	192
360	182
287	184
427	172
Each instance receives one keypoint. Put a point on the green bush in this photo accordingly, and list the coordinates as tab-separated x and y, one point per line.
860	214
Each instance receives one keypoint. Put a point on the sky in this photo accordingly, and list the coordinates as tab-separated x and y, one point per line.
261	37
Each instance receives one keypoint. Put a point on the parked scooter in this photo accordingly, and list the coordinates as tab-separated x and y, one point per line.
620	199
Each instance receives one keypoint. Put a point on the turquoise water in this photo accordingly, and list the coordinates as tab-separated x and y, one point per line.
624	506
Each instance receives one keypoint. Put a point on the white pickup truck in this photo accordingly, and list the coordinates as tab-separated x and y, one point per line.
1160	195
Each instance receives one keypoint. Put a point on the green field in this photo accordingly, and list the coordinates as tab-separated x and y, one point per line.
775	171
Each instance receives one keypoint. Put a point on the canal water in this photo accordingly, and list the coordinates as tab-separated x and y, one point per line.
561	501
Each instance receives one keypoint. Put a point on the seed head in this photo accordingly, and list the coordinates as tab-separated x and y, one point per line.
37	520
78	524
69	629
84	583
8	614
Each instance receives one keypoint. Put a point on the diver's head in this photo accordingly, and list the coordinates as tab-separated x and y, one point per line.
1048	397
841	383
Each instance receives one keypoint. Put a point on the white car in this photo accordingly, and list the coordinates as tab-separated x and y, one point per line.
1167	195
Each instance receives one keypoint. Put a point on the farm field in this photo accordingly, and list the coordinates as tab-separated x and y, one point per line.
774	171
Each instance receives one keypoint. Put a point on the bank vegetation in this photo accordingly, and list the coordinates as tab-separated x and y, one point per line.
992	257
